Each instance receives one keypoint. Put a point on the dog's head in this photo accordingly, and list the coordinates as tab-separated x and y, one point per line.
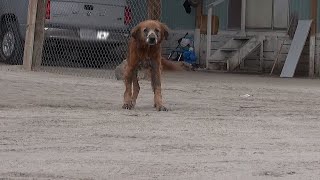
151	32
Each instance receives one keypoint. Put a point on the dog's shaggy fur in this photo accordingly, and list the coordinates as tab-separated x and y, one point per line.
167	65
145	52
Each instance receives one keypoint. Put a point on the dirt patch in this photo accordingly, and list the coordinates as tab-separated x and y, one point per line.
221	126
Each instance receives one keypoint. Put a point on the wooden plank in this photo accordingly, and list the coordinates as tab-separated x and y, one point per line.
312	38
244	51
199	15
261	56
214	25
29	42
269	44
34	35
302	66
277	58
312	55
39	34
286	49
296	48
216	38
216	45
213	45
197	42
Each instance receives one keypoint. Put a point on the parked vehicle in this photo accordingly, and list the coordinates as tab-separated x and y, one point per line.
95	21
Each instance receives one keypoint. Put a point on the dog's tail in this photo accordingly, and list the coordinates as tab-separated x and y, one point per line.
168	65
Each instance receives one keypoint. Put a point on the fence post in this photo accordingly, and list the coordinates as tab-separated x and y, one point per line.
35	34
314	63
28	47
39	33
154	9
197	32
209	30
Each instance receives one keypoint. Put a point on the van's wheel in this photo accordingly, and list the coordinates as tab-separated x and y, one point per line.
11	44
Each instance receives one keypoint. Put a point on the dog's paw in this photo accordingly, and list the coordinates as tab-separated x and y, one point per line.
161	108
128	106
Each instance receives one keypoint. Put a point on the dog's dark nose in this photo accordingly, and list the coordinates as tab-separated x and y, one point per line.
152	39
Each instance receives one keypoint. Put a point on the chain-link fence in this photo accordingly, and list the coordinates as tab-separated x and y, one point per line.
81	37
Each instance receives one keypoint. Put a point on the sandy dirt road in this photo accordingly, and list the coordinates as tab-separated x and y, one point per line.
66	127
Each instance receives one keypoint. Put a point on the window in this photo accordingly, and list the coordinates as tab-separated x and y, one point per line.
260	14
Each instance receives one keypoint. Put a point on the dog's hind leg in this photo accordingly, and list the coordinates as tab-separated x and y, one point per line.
156	85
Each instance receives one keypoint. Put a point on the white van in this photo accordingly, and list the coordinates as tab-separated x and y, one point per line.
91	21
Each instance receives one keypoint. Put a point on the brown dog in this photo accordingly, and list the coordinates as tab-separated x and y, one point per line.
145	51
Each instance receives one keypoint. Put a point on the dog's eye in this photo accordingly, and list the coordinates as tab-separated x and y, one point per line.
145	30
157	31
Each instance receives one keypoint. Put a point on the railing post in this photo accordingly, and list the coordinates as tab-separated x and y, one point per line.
243	16
209	30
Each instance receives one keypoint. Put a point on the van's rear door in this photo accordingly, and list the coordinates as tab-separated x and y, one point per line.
88	13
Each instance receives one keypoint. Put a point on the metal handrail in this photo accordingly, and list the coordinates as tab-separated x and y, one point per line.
215	3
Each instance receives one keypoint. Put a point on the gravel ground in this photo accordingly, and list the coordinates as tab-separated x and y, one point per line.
221	126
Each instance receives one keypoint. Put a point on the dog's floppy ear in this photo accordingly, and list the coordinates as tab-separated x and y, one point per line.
135	32
165	31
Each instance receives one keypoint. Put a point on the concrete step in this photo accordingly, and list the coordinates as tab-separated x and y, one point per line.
229	49
244	51
242	38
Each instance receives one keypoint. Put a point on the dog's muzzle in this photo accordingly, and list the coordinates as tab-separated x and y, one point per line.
152	39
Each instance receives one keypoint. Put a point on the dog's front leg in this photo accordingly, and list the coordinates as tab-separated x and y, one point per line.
128	79
136	87
156	85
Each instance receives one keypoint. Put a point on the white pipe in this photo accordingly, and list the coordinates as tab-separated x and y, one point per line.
243	16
